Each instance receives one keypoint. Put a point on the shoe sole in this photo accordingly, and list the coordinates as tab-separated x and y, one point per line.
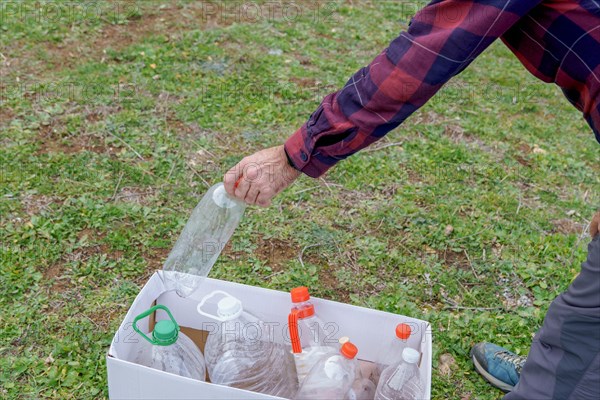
505	387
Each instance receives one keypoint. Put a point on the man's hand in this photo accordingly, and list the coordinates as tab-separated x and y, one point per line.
259	177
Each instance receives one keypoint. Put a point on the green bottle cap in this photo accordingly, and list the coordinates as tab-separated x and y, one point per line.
165	332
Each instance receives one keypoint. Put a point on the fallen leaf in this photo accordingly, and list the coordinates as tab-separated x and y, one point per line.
153	66
538	150
446	363
449	229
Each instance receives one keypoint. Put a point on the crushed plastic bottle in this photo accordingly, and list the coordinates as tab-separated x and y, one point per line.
169	349
402	380
206	233
392	353
241	353
332	376
308	330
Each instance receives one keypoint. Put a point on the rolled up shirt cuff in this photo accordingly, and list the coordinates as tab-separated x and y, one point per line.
300	154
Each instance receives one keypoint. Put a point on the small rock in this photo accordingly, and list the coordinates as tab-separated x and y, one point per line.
571	213
49	360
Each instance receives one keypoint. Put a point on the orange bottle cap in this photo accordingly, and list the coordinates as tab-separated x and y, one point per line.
300	294
403	331
349	350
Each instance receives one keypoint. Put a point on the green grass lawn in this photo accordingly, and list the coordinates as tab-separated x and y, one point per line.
113	123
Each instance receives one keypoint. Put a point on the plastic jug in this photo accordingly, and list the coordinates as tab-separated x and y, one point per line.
392	353
206	233
169	349
309	341
332	376
402	380
240	351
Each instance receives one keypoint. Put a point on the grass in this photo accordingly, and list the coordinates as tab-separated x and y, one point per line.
113	122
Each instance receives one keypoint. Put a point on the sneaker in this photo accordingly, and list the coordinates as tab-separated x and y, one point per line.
500	367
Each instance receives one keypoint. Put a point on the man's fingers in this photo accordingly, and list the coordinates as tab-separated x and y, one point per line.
229	180
252	194
263	200
243	185
233	176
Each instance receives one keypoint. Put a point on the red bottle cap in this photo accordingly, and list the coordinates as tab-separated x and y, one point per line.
349	350
300	294
403	331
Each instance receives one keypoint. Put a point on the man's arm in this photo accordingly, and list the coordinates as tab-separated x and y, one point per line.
442	39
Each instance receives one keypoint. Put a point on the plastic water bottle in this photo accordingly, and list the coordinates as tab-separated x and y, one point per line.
241	353
402	380
168	349
310	332
362	388
332	376
392	353
206	233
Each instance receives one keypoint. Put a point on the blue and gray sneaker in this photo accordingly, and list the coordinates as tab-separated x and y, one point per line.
497	365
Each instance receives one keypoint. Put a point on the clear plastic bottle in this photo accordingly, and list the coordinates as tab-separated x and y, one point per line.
206	233
402	380
332	376
392	353
310	326
241	352
362	388
169	349
310	330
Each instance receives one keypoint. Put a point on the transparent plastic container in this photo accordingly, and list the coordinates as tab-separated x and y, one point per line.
392	352
309	331
240	351
168	349
206	233
332	377
402	380
362	387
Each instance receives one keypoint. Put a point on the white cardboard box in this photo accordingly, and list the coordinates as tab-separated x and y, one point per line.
126	380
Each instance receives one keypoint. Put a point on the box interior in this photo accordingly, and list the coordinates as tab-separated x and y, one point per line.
366	328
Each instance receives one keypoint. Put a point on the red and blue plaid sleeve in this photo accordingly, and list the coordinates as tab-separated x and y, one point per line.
442	39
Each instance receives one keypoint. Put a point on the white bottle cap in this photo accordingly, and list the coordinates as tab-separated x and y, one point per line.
221	198
229	308
411	356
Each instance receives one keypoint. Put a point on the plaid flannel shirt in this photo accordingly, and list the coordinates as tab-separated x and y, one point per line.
557	41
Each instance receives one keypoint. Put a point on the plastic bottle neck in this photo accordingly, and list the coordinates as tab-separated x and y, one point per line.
305	309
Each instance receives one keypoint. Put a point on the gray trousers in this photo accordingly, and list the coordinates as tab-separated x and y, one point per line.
564	359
